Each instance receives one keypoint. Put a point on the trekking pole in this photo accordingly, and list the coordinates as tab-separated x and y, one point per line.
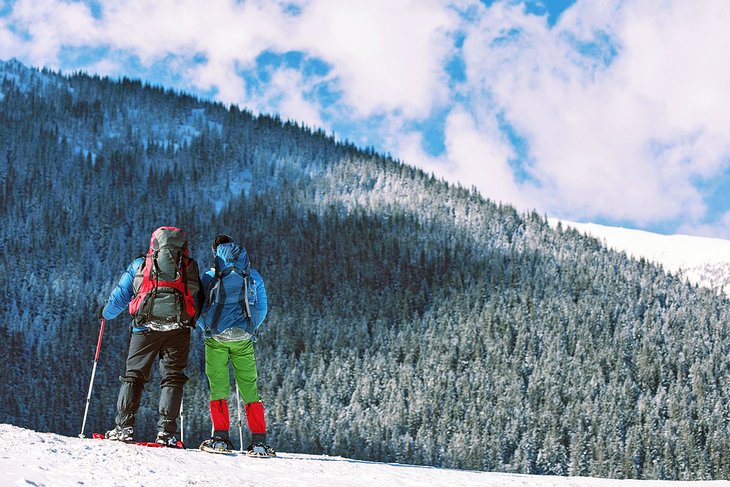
182	419
93	374
240	423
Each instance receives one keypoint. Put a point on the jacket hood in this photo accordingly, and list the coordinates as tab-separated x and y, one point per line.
230	254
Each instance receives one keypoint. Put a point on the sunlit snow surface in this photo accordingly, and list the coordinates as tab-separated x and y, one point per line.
703	261
46	459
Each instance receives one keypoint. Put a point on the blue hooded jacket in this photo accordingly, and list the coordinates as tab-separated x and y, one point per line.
225	305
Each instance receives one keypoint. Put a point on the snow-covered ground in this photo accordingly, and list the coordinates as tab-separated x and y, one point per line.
46	459
702	260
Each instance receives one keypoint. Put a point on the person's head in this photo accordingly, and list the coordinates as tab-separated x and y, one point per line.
220	239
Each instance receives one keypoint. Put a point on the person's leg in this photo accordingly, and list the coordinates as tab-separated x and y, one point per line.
244	367
173	360
143	350
216	369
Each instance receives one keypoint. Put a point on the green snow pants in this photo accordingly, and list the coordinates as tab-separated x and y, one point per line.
240	354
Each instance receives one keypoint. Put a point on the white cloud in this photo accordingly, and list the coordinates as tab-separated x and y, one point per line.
623	141
388	56
219	75
285	92
385	56
719	228
50	24
222	30
10	45
482	155
476	155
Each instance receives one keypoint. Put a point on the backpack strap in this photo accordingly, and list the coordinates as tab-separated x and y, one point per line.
156	266
244	297
154	277
147	271
182	266
221	290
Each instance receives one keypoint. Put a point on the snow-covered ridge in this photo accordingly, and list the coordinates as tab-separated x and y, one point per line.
23	77
46	459
702	260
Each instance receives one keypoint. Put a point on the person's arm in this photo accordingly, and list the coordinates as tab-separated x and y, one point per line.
261	306
195	287
205	282
123	293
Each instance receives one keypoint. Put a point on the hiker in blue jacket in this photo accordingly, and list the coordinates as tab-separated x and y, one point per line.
235	306
162	293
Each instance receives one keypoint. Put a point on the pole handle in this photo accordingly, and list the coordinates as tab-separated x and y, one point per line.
98	343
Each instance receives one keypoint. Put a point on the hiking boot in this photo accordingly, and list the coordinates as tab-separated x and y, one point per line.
119	433
217	444
166	439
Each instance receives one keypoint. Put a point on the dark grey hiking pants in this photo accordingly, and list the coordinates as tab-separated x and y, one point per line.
172	348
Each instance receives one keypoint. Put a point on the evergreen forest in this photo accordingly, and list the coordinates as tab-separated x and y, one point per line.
410	320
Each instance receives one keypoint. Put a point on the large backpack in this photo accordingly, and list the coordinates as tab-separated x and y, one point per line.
230	290
162	296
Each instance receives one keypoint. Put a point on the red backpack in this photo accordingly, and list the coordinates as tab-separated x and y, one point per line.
161	284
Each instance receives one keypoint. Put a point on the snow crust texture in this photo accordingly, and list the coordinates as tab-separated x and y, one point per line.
46	459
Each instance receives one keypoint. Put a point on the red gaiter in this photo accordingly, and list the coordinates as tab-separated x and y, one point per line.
255	417
219	415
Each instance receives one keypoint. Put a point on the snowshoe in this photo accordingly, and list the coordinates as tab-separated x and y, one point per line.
176	444
260	450
216	444
125	434
168	439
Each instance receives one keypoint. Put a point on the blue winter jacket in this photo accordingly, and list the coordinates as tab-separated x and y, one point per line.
224	305
124	293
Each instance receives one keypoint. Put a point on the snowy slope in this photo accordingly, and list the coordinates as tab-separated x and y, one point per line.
702	260
45	459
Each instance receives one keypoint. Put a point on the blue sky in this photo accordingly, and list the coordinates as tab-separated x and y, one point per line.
614	112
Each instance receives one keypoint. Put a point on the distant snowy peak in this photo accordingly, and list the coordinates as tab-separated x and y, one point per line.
702	260
14	69
12	65
25	78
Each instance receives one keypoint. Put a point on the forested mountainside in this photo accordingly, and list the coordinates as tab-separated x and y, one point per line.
410	320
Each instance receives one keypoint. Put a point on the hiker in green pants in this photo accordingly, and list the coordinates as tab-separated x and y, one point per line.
235	306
